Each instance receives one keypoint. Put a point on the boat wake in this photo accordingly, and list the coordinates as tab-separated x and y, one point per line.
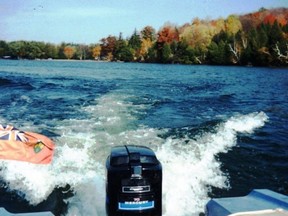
190	167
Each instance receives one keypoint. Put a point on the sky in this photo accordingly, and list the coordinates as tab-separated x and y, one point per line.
87	21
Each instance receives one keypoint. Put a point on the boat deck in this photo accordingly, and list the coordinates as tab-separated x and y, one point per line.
255	203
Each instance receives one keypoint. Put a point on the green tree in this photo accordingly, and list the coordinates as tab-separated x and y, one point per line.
218	53
135	44
120	45
182	53
50	51
285	28
17	49
60	49
221	36
257	53
32	50
126	54
166	54
262	36
4	49
152	54
276	34
135	41
81	51
246	56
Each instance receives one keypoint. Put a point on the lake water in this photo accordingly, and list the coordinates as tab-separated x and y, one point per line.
218	131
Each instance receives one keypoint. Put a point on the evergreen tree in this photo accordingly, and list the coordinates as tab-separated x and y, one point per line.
152	54
222	36
262	36
218	53
187	55
285	28
276	34
122	51
135	41
246	56
118	51
166	54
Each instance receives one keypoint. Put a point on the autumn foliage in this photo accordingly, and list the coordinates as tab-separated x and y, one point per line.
69	52
258	38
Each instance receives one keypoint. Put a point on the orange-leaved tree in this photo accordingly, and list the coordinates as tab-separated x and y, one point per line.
69	52
96	51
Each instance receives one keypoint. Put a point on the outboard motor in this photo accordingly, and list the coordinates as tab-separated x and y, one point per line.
134	182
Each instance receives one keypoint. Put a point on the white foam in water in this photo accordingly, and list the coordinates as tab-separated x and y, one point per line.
189	168
34	181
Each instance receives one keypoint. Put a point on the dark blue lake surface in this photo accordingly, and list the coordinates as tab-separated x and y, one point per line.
218	131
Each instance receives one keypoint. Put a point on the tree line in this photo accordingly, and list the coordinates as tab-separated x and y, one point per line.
259	38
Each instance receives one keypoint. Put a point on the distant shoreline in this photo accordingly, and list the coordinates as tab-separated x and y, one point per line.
71	60
60	60
106	61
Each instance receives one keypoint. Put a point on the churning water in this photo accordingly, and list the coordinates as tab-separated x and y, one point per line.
216	130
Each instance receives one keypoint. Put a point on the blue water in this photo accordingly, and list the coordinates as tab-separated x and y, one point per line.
221	130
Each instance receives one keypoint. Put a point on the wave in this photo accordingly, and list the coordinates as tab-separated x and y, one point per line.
14	82
5	82
190	167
